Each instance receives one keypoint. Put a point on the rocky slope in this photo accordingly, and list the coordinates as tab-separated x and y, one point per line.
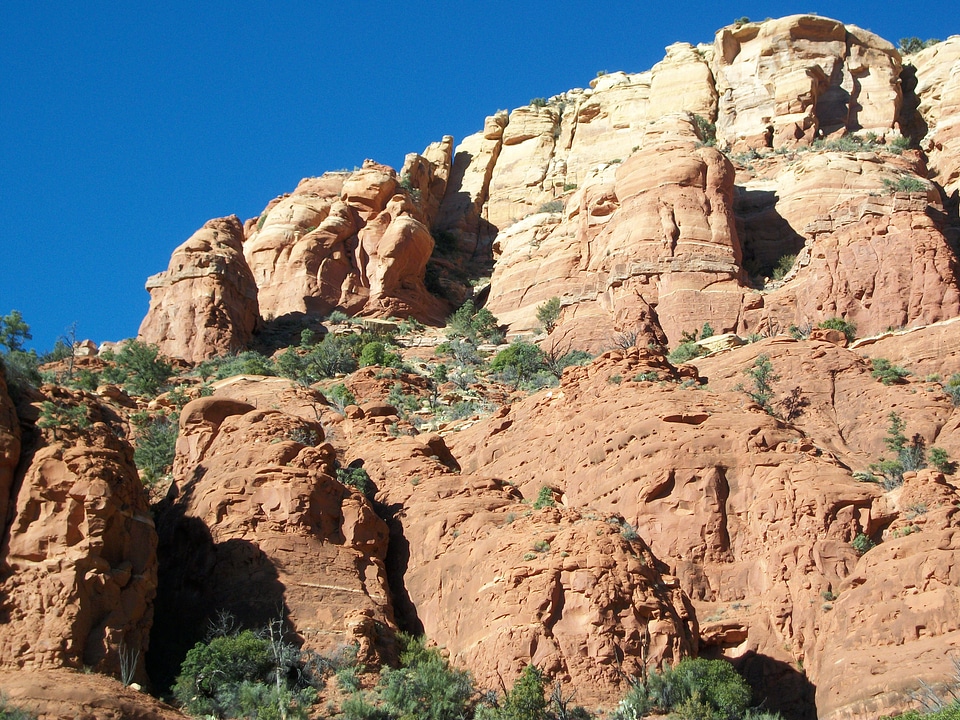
637	513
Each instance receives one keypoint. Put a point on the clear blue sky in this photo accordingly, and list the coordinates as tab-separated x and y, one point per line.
125	126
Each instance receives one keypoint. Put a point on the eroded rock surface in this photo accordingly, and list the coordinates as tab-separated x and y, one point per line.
258	526
205	304
78	565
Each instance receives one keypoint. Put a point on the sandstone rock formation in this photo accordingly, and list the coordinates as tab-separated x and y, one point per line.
355	241
938	90
789	80
206	302
499	587
78	567
61	694
258	526
752	515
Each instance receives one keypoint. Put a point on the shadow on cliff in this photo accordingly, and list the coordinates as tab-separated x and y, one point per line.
397	561
199	579
765	236
777	686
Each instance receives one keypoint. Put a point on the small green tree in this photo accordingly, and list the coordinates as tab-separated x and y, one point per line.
762	374
140	368
14	331
519	362
548	314
356	477
886	372
474	324
426	686
155	439
59	417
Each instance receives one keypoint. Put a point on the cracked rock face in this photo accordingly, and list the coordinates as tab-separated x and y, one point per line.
78	564
258	526
205	304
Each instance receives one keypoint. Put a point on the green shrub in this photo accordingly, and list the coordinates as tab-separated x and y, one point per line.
426	687
952	388
886	372
524	701
538	102
762	374
836	323
376	353
520	362
548	313
905	184
685	352
356	477
939	458
243	675
908	455
552	206
140	368
59	418
155	444
784	265
340	396
696	689
862	543
11	712
706	130
910	45
544	498
474	324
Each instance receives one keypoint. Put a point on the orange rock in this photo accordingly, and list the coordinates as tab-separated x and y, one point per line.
205	304
79	566
258	526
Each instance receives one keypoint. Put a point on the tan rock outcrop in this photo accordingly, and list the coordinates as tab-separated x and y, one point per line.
879	261
79	567
938	89
61	694
786	81
657	236
259	526
896	617
754	516
354	241
205	304
500	587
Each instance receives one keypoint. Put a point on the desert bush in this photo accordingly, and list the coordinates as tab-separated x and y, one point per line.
909	45
140	368
706	130
524	701
551	206
685	352
12	712
520	362
952	388
784	265
340	396
60	418
836	323
886	372
696	689
474	324
908	454
862	544
356	477
544	498
905	184
246	674
155	444
762	374
376	353
426	685
939	458
548	313
248	362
